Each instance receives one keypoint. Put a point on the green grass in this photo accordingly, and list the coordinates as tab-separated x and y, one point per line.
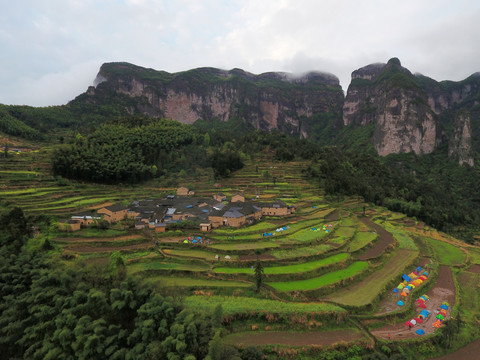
474	256
360	240
261	226
345	231
169	281
367	290
165	265
447	254
245	246
238	305
288	269
321	281
402	237
199	254
308	234
301	251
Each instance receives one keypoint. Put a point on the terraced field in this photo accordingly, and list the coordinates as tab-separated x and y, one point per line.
351	265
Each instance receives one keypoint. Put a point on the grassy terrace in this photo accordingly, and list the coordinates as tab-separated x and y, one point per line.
321	281
447	254
169	281
366	291
236	304
288	269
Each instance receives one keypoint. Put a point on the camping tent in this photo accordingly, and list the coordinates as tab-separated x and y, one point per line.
403	293
418	320
441	317
185	241
420	332
400	303
406	290
437	324
445	303
424	314
405	277
425	273
408	323
395	290
413	322
422	305
418	269
445	307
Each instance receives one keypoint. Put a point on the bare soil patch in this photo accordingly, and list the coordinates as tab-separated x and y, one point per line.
311	338
385	239
103	239
475	268
444	290
99	249
333	216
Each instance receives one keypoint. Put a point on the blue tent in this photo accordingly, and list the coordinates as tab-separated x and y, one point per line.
395	290
401	303
408	287
405	277
445	307
194	241
418	269
424	313
420	332
425	273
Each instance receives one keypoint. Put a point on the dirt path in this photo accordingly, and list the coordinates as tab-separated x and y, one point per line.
444	290
469	352
379	247
310	338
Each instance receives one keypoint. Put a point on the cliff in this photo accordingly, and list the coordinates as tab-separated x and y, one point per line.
266	101
412	113
407	112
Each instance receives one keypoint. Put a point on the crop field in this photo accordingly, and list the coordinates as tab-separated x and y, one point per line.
169	281
199	254
163	265
245	246
330	262
403	238
238	305
360	240
303	251
365	291
321	281
447	253
288	269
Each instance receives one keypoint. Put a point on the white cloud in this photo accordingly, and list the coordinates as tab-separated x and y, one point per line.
60	44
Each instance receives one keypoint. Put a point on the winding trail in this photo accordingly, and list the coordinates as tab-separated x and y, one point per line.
381	245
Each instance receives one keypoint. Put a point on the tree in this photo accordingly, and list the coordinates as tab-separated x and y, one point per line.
259	274
217	316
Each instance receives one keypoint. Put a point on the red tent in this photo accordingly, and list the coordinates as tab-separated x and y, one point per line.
418	320
409	324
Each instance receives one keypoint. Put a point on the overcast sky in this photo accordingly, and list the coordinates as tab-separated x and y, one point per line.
51	50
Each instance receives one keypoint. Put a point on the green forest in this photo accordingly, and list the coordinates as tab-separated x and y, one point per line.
92	311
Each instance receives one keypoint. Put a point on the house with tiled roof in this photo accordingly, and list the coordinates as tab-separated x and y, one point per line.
113	213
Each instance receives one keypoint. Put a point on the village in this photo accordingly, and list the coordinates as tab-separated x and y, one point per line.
157	214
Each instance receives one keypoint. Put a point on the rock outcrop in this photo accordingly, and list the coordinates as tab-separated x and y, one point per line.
267	101
408	113
405	110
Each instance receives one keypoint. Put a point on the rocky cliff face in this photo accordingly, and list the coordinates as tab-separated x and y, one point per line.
267	101
409	113
405	110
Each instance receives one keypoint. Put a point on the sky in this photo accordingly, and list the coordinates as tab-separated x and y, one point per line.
51	50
